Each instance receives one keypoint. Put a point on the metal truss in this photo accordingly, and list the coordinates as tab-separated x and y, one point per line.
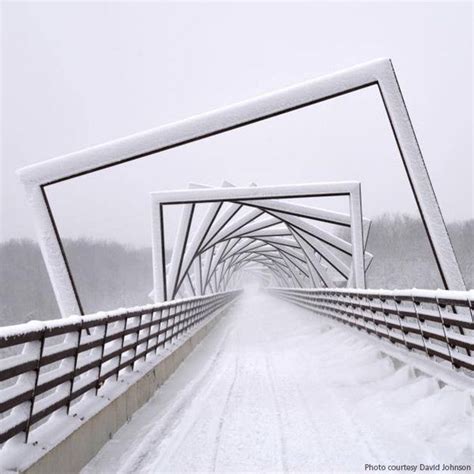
379	74
253	227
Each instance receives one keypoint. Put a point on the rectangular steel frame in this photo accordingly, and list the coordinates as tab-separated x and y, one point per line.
379	73
351	189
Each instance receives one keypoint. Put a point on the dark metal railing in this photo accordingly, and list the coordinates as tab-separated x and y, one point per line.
57	362
437	323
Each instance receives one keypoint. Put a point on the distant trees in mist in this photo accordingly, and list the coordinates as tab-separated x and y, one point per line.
109	275
403	256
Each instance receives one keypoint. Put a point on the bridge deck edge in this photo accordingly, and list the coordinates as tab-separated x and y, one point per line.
74	450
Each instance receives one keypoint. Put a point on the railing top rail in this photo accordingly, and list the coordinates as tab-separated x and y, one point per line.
439	323
90	359
32	330
441	297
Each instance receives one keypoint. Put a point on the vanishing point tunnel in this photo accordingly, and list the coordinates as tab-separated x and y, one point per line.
263	349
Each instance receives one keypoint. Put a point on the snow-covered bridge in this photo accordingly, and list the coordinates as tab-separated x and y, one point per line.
314	372
274	388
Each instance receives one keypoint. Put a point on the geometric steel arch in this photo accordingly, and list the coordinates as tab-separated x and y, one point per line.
285	240
258	242
234	235
378	73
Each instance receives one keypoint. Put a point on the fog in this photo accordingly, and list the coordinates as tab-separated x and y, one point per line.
77	74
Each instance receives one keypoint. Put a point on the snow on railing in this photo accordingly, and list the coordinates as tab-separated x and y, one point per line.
438	323
58	362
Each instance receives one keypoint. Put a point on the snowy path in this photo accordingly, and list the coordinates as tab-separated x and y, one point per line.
275	388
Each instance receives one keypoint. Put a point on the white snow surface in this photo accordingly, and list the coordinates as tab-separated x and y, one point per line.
275	388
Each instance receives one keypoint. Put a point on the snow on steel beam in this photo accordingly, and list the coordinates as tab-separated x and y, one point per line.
300	210
323	215
308	212
214	254
226	216
276	240
379	73
190	252
336	242
278	232
247	223
241	228
357	238
179	248
317	232
315	268
252	245
220	249
333	260
338	188
236	243
294	271
263	249
232	229
296	263
268	192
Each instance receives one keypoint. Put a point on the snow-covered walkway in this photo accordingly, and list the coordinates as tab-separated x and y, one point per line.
275	388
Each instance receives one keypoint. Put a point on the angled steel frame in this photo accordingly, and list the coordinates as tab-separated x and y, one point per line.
167	286
378	73
341	219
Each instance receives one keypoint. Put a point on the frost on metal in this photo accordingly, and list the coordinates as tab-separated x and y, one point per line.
378	73
258	229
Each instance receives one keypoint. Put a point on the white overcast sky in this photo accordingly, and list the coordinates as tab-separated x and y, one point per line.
77	74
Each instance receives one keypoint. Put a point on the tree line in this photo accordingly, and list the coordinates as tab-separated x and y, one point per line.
109	275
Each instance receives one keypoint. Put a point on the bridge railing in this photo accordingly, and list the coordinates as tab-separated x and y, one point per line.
437	323
48	366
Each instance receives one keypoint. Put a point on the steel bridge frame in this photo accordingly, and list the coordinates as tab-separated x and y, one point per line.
167	286
279	245
379	73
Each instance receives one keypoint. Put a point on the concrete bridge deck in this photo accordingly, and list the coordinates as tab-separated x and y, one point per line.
275	388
